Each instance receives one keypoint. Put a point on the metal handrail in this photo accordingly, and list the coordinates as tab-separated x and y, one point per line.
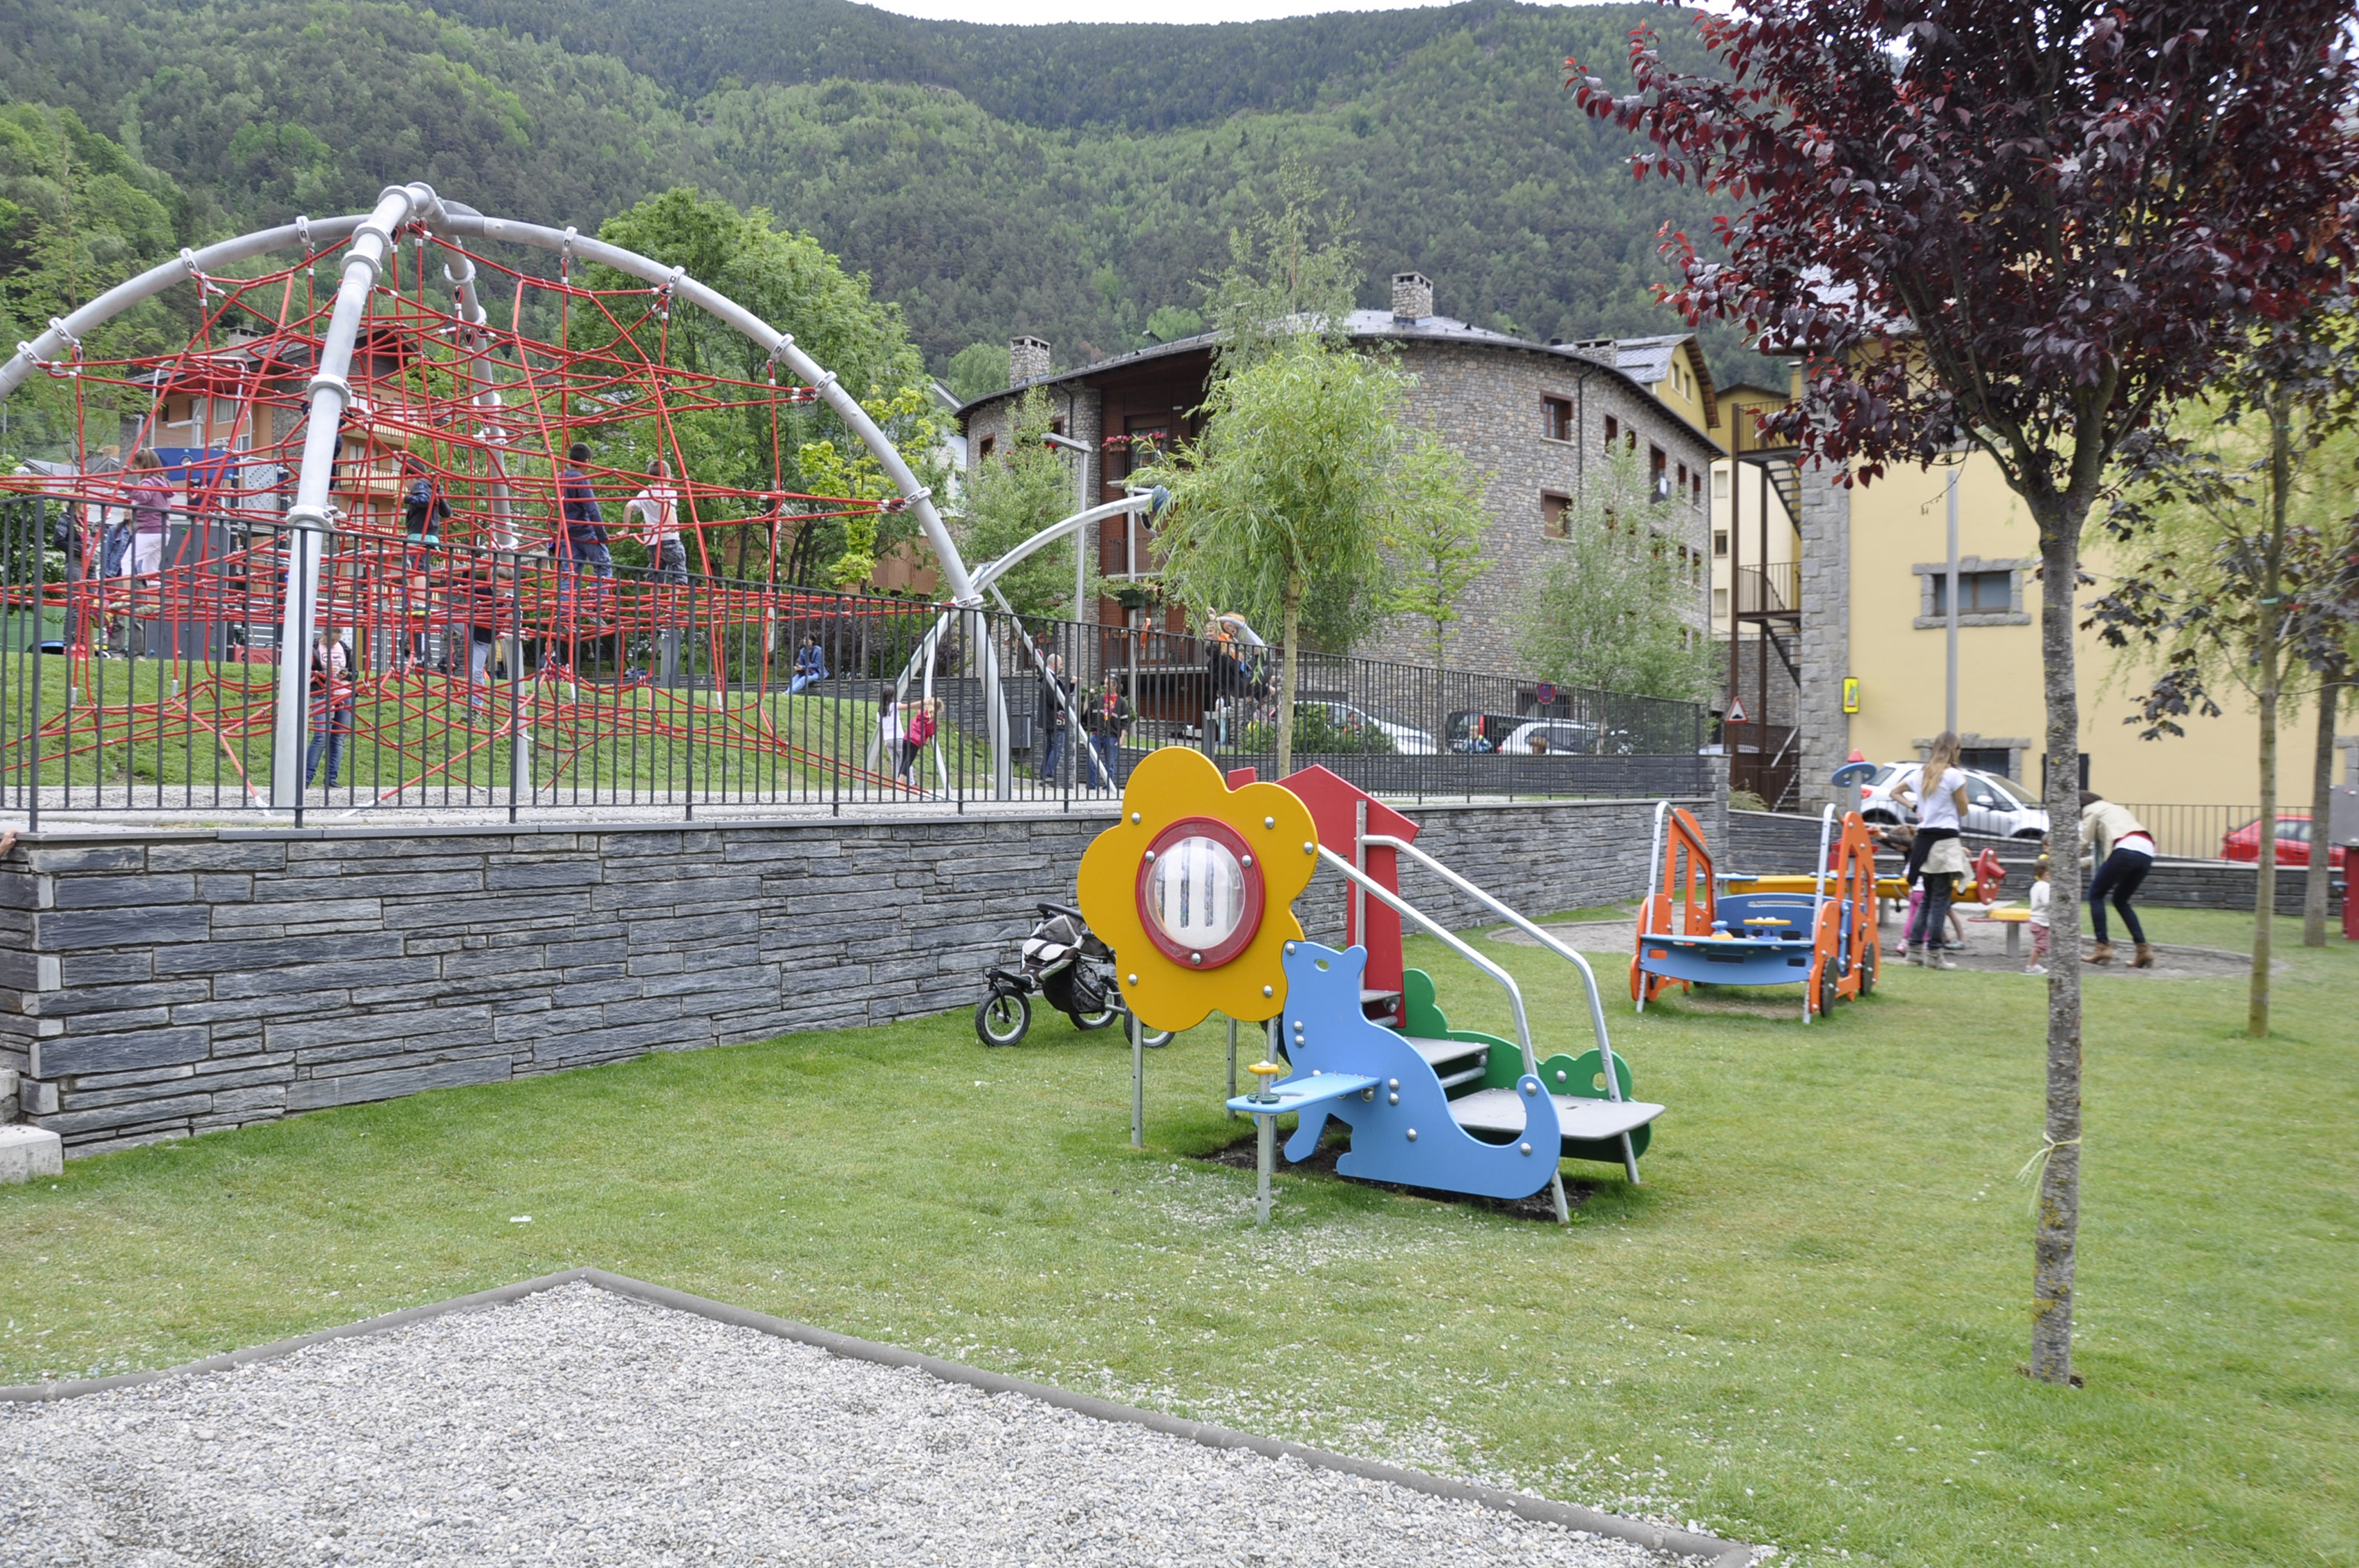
1400	906
1588	977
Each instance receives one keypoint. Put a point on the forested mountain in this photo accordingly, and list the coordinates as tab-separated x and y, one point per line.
1062	181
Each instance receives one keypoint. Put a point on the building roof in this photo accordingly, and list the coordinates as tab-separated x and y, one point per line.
1648	360
1383	324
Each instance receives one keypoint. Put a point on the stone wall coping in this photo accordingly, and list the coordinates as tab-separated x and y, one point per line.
135	833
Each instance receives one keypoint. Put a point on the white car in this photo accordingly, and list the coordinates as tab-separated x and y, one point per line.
1408	740
1997	806
1564	736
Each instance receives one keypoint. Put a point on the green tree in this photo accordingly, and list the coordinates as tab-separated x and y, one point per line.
77	215
1436	538
791	281
2245	511
1171	322
1290	274
1280	511
1013	495
976	371
1609	610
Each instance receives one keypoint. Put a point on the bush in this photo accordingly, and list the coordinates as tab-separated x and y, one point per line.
1318	731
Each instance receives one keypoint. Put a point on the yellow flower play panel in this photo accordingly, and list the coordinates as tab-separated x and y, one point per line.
1193	889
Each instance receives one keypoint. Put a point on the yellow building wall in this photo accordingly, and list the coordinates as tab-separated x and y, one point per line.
1898	523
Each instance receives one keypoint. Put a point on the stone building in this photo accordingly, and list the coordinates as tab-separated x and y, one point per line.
1531	417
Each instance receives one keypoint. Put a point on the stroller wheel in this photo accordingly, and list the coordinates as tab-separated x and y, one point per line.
1153	1039
1001	1020
1088	1023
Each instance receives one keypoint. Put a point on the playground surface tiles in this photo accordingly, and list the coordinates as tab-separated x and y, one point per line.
582	1426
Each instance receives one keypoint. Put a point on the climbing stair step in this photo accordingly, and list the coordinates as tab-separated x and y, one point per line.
1577	1120
1437	1054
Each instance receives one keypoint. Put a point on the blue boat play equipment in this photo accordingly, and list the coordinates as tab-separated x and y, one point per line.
1819	935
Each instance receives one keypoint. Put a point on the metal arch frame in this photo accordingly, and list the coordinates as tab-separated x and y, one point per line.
985	578
373	234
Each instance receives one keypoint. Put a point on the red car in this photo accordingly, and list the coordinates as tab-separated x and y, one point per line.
2293	843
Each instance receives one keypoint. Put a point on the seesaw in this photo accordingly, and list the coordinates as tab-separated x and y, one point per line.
1199	879
1691	933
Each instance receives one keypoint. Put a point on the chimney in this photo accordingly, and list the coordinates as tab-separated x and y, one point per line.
1412	297
1027	360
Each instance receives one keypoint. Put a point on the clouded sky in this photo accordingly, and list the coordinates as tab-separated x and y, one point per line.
1026	12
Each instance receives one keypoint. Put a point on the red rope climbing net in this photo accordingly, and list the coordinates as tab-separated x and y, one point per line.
456	566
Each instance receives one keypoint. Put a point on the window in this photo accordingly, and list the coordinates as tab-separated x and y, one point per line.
984	452
1695	489
1719	485
1978	592
1720	541
1612	429
1556	515
1556	418
1656	463
1683	476
2043	773
1987	760
1720	604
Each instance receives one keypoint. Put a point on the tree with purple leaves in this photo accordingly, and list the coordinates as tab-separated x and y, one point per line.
2025	227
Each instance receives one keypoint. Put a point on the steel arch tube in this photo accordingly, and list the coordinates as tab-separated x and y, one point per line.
308	520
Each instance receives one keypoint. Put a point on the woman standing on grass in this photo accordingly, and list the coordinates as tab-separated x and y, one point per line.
2123	852
1938	854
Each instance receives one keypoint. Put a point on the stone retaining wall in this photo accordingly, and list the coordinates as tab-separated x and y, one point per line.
155	984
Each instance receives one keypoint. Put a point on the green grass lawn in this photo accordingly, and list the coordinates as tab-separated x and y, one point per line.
1804	1329
196	724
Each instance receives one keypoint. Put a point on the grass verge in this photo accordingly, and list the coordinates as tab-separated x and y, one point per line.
1804	1329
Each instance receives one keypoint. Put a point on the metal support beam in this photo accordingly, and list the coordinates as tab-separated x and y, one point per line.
309	521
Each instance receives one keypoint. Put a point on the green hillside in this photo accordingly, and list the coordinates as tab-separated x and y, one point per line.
1063	180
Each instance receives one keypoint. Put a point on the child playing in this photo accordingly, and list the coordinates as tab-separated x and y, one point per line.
2038	922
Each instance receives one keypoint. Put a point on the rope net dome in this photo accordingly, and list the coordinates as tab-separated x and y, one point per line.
464	615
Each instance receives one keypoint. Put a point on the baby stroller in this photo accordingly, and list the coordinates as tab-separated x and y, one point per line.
1068	967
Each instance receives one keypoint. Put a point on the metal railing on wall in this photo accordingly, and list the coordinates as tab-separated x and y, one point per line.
460	677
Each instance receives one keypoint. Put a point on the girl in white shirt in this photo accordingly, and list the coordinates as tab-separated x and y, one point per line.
1937	856
657	508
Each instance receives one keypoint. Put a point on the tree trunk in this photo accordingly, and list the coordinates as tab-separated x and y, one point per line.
1292	626
2321	809
2057	1232
2268	656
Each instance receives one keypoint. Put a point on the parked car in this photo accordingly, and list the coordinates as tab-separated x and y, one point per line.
1997	806
1564	736
1472	731
1407	739
2293	842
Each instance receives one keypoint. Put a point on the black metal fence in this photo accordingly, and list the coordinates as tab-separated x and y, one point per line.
141	675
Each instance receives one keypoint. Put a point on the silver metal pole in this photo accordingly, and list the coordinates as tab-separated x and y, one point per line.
1264	1138
1137	1081
1233	1063
1950	723
309	520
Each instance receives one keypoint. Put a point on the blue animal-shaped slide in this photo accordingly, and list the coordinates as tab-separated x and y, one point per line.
1402	1129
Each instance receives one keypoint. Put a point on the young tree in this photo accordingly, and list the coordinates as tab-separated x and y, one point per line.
1280	512
1607	610
2243	505
1291	274
1435	541
2027	224
1013	495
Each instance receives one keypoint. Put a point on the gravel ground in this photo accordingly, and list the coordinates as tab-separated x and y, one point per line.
579	1426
